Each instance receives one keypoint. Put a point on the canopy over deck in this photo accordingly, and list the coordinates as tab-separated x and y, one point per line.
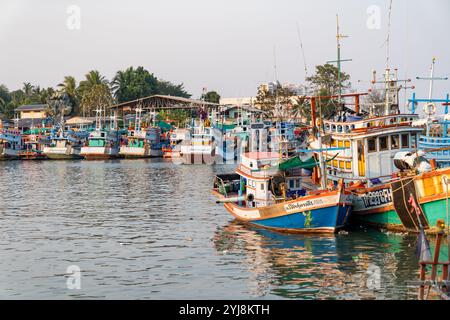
160	102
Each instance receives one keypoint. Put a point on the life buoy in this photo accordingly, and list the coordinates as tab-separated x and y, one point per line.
250	197
429	108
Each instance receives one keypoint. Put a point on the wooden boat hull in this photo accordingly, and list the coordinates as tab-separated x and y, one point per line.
99	153
62	153
138	153
376	206
324	213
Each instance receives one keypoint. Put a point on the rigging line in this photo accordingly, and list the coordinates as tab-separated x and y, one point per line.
302	51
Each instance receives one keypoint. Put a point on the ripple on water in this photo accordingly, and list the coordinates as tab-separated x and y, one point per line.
150	229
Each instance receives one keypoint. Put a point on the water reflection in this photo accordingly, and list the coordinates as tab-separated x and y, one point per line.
322	267
149	229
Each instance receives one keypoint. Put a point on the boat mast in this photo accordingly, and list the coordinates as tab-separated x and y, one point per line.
98	119
339	36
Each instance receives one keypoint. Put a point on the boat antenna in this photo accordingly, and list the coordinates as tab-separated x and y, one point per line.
339	36
302	51
388	39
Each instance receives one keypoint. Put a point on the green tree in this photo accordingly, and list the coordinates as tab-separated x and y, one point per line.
326	80
93	78
170	89
276	102
133	84
211	96
98	96
5	98
325	83
69	88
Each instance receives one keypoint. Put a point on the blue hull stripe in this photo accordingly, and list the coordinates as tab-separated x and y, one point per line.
330	218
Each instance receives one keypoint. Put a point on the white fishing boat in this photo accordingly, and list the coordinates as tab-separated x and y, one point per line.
200	148
102	144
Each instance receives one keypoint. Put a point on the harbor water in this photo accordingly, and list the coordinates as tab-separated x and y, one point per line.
150	229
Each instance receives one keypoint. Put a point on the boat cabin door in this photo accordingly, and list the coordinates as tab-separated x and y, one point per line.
361	158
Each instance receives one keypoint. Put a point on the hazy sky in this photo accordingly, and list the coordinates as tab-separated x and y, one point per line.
224	45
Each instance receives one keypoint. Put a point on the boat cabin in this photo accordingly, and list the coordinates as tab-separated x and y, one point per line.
367	147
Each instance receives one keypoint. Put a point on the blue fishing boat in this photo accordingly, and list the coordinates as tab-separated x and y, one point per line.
278	194
436	140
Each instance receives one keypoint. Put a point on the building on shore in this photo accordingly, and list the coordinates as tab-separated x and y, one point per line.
32	111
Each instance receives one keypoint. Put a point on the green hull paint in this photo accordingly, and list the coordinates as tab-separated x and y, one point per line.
434	211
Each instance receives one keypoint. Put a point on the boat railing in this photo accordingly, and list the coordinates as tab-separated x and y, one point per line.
434	141
258	173
348	127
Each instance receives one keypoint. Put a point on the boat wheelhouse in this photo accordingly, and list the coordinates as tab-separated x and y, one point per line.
101	144
64	148
10	143
367	146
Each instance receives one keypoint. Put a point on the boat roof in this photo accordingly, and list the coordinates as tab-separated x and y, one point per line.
261	155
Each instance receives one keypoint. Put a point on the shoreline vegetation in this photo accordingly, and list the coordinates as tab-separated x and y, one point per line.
83	97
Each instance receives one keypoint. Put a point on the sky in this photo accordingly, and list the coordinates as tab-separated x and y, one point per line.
229	46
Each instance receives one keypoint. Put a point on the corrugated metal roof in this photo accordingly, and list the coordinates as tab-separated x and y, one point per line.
157	101
32	107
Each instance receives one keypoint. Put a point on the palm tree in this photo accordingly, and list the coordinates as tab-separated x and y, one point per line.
92	78
27	89
120	82
69	88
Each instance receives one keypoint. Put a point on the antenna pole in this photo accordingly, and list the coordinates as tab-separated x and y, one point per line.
430	95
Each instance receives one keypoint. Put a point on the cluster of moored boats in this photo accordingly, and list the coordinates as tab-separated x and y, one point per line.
368	164
386	169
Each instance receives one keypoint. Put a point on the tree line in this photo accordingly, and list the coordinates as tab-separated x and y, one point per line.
82	98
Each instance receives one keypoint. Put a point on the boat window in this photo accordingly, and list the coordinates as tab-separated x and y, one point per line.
335	163
405	140
339	129
340	143
395	142
291	184
348	165
384	143
347	144
372	144
262	186
333	143
341	164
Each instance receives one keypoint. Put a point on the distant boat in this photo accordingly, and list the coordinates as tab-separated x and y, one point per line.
200	148
145	143
10	144
263	195
101	145
66	146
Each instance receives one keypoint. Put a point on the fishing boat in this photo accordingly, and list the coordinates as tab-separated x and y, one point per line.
435	138
10	144
33	147
380	156
144	143
102	143
176	137
66	146
199	149
266	194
